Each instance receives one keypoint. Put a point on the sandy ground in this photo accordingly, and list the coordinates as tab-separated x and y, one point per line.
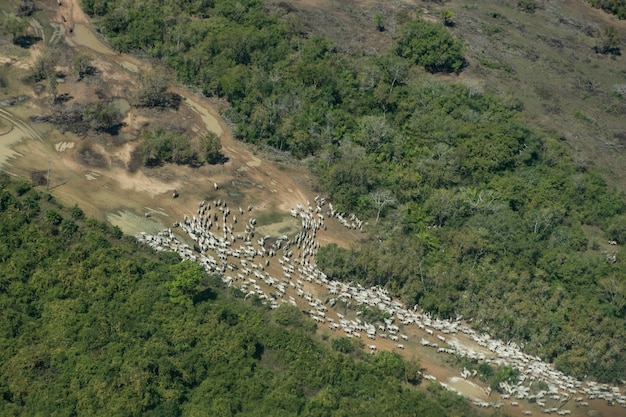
107	191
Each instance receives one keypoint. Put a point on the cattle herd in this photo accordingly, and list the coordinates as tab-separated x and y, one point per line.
281	269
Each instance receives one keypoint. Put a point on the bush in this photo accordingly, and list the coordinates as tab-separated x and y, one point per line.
44	66
431	45
210	148
102	116
162	146
609	42
343	345
528	6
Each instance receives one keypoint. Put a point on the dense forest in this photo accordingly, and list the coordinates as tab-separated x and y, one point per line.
94	323
471	211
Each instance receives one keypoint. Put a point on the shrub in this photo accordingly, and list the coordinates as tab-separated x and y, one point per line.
431	45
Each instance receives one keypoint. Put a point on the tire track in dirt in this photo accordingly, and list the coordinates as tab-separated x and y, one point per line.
24	127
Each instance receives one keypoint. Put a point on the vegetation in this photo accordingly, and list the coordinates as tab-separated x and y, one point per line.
81	65
102	115
617	7
15	25
153	91
44	66
211	148
380	23
609	42
484	217
94	323
528	6
448	17
25	8
432	46
51	88
490	375
162	146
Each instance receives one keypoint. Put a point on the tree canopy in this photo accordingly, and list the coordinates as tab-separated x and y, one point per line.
489	217
93	323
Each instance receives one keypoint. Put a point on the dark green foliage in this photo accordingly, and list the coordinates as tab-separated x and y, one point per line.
528	6
153	91
210	148
44	66
494	376
88	328
52	216
489	220
81	65
344	345
102	116
617	7
95	7
491	375
609	42
431	45
15	25
185	285
162	146
290	316
76	212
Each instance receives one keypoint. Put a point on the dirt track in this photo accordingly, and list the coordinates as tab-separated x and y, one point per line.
112	189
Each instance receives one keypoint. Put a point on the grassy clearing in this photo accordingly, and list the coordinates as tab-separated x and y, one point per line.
270	217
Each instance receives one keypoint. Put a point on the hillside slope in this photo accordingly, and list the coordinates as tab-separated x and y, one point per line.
545	57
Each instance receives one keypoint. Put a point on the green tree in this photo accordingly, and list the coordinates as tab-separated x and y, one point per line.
101	115
448	17
609	42
153	91
81	65
380	24
76	212
343	345
166	146
187	276
390	364
431	45
413	371
53	217
210	148
394	70
15	25
44	66
68	227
